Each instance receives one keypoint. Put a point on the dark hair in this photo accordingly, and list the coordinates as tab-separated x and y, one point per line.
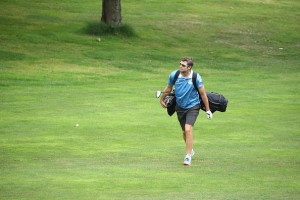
189	61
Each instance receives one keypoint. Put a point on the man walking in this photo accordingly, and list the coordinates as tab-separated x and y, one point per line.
188	102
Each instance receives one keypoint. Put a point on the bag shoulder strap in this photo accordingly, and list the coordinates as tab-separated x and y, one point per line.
194	77
176	76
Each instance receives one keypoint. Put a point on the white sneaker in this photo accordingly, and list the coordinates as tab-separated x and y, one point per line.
187	160
193	152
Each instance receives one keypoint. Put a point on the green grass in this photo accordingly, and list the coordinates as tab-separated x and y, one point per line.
53	76
97	28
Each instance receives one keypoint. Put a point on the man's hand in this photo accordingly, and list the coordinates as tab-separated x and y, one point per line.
163	104
167	90
209	114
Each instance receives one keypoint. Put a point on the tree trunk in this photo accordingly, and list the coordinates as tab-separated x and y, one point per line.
111	12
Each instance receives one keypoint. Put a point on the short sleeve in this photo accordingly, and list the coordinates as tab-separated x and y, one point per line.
171	78
199	82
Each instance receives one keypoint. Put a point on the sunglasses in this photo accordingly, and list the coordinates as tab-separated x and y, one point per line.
181	64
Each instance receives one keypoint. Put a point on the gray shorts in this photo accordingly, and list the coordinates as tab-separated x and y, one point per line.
187	116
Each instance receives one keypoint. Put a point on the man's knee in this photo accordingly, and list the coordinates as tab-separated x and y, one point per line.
188	129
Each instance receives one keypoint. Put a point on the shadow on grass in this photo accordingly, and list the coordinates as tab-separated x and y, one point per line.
96	28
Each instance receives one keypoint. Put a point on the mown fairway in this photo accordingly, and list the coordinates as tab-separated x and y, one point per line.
53	76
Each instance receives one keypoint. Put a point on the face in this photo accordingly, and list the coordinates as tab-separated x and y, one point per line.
183	66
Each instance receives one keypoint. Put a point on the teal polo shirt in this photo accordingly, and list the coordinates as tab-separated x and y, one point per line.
185	93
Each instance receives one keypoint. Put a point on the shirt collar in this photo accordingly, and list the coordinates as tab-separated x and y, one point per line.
190	76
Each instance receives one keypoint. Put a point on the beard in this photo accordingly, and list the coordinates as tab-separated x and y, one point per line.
184	71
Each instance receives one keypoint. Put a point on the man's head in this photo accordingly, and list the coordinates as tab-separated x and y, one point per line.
186	64
189	61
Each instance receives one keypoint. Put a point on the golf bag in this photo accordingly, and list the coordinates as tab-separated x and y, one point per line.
217	102
170	101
